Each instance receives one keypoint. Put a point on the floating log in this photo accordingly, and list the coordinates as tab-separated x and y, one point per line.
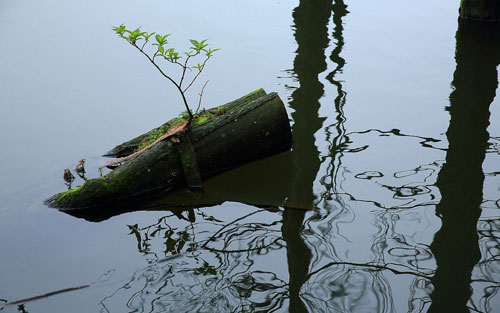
248	129
264	183
131	146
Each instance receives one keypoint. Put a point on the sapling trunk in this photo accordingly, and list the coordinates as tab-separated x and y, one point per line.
169	55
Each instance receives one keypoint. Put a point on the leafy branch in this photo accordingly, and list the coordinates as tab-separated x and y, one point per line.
170	55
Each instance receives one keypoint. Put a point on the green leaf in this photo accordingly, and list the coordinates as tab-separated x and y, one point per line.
119	29
159	39
161	49
194	42
210	51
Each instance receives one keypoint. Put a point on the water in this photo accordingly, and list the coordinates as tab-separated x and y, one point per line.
396	159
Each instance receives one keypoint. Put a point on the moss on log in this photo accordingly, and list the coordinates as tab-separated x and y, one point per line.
137	143
253	127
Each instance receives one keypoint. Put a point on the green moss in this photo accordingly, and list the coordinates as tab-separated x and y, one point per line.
99	186
160	131
201	119
188	160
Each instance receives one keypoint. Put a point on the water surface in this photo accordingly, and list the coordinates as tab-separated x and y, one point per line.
388	202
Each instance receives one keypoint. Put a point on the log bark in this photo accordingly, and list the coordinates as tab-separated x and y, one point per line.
246	132
131	146
480	10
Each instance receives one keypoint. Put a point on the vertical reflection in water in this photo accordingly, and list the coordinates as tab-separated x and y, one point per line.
460	181
336	130
339	12
298	255
311	18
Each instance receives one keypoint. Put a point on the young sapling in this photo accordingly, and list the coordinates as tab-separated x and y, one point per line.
198	51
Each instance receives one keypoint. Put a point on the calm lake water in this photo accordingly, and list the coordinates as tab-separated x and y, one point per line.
388	202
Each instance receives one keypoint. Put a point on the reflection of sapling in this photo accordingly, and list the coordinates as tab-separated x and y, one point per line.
198	48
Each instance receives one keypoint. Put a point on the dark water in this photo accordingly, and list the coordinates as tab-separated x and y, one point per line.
388	202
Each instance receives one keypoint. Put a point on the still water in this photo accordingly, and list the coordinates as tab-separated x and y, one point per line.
388	202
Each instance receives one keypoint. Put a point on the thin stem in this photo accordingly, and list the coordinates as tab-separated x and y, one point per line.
45	295
184	67
201	95
169	78
199	72
230	223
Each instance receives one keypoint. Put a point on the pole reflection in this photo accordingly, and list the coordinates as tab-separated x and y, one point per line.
311	20
460	181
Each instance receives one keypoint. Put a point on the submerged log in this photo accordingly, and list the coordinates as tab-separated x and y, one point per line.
264	183
246	131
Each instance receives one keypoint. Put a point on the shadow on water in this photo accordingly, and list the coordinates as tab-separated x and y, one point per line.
460	181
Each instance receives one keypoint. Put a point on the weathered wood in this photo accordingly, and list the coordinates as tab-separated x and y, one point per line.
263	183
131	146
245	133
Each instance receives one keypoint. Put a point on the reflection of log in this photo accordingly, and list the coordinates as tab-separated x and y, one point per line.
263	183
244	133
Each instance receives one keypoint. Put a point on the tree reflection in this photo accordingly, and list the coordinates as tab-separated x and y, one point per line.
311	33
205	271
311	19
460	181
336	133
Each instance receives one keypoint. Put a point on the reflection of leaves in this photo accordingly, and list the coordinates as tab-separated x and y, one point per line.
21	308
174	241
206	269
206	280
141	246
175	245
193	246
208	218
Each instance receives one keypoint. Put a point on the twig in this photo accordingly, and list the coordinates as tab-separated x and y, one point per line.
45	295
374	266
201	95
199	72
230	223
184	67
169	78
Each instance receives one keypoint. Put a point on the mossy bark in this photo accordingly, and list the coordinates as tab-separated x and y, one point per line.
480	10
133	145
246	132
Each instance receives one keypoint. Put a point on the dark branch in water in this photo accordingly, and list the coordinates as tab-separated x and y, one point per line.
45	295
373	266
236	220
